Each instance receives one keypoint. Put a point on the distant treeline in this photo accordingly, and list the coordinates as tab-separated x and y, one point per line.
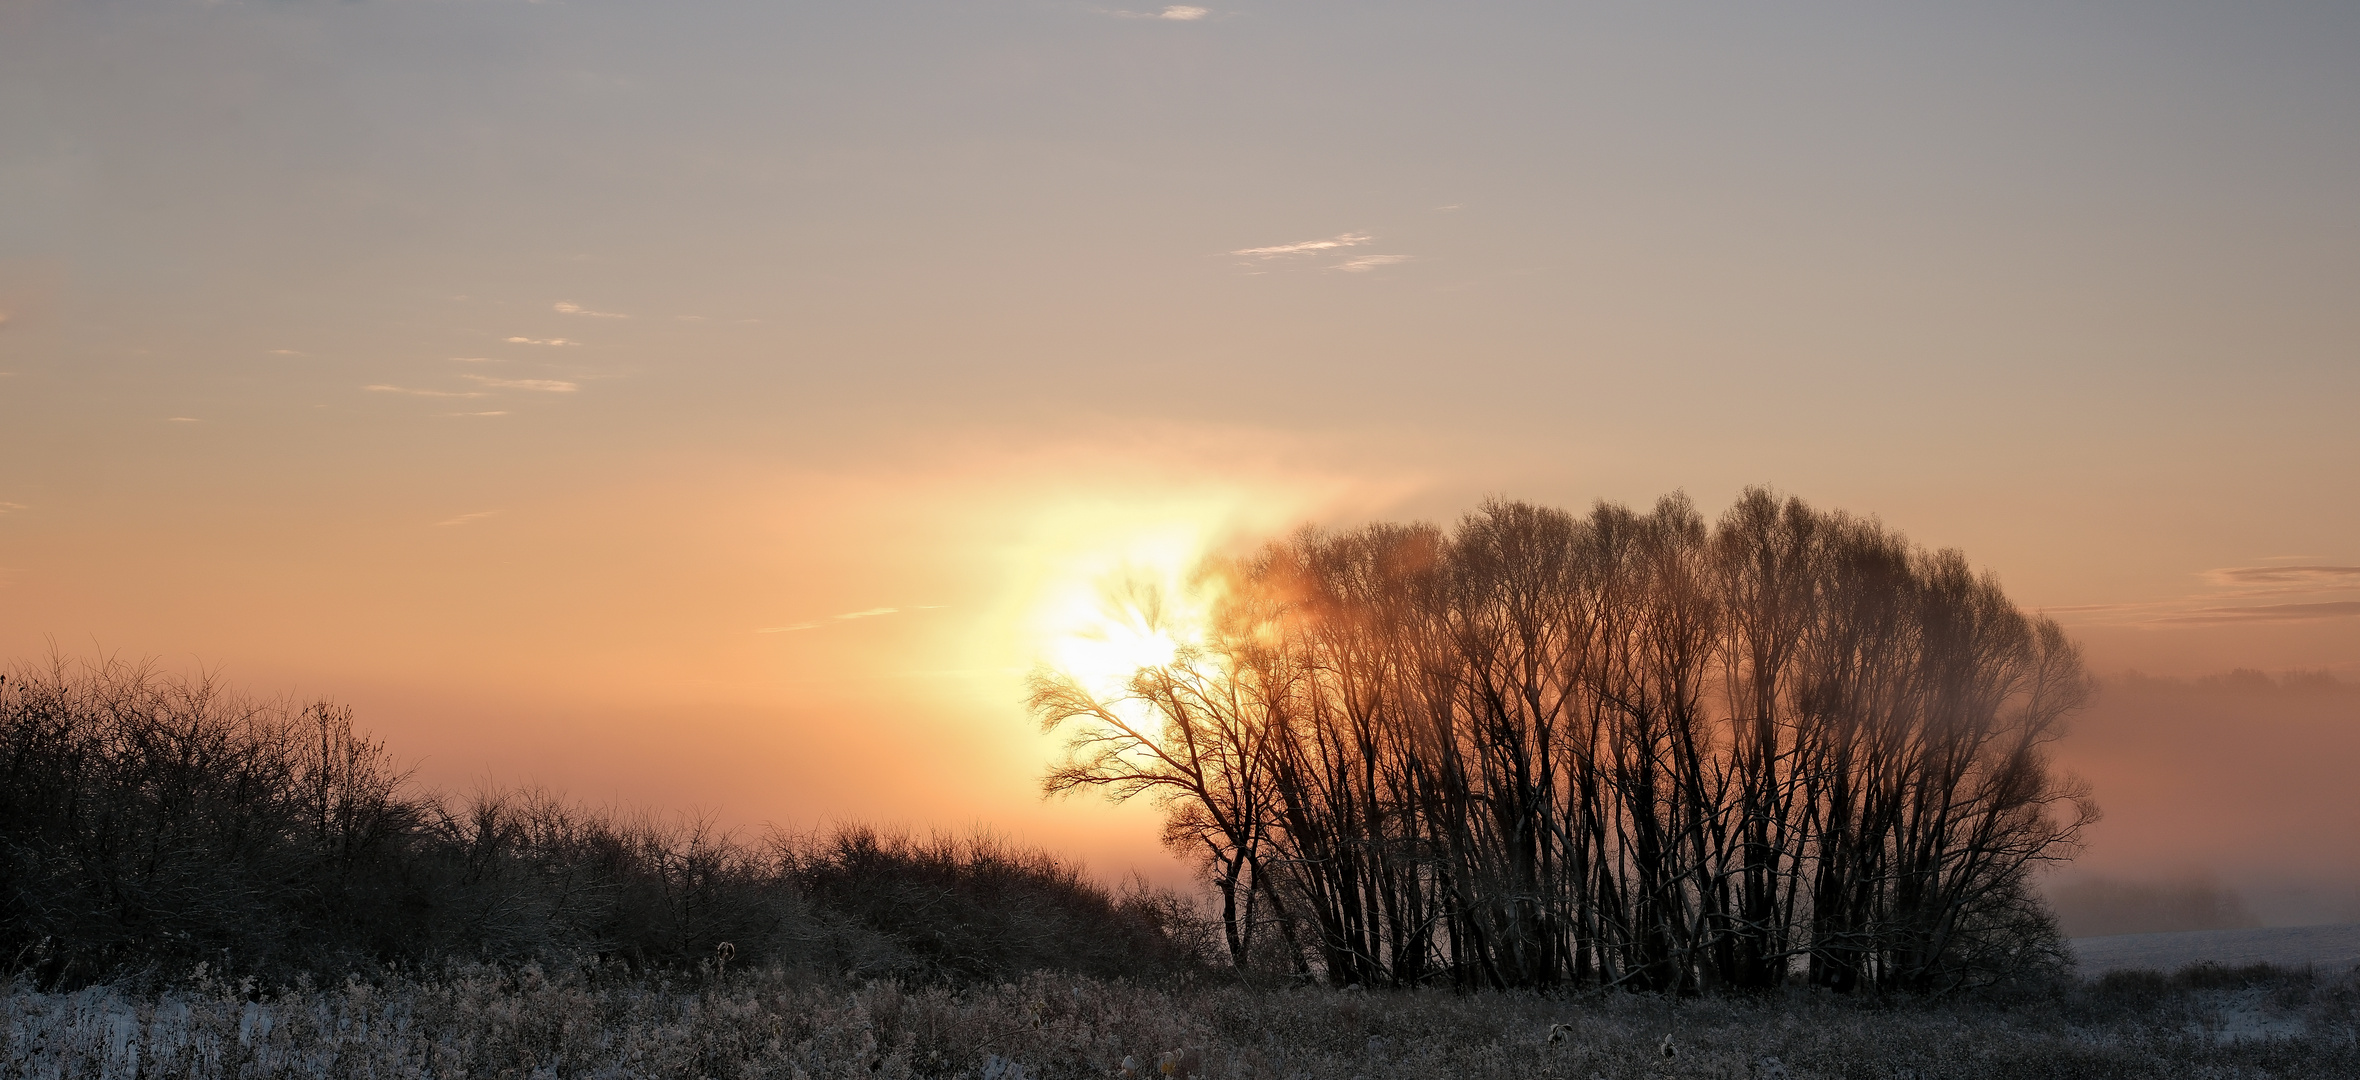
150	824
1623	748
2099	906
2243	681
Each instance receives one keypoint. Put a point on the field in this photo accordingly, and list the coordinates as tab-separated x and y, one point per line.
530	1023
2333	948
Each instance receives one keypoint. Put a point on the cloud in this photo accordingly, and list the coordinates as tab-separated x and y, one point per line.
382	388
1173	13
2314	577
539	341
2268	613
548	386
849	616
1366	263
1306	247
465	518
478	360
284	352
10	508
570	308
2232	584
488	412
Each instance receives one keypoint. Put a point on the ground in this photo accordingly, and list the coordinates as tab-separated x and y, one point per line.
483	1022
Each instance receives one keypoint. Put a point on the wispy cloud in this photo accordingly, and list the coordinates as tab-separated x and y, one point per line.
465	518
383	388
1299	250
1306	247
284	352
540	341
478	360
849	616
2338	609
488	412
2307	577
10	508
2318	587
547	386
570	308
1173	13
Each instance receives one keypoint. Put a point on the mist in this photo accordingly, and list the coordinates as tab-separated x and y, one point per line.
2228	801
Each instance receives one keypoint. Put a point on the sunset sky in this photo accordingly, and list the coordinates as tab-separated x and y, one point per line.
725	404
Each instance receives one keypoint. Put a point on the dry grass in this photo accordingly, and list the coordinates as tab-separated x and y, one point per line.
488	1023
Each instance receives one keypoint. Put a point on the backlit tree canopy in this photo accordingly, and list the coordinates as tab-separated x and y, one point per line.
1623	748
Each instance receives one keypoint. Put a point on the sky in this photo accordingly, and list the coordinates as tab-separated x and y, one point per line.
723	405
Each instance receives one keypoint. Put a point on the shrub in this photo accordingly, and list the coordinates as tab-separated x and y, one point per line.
149	824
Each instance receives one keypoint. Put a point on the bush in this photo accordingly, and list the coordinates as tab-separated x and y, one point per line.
149	824
975	908
147	820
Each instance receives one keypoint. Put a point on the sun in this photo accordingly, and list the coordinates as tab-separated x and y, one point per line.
1134	606
1104	649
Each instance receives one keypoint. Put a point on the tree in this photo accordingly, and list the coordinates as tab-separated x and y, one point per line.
1625	748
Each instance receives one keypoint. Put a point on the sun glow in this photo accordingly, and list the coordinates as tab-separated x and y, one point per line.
1134	606
1085	560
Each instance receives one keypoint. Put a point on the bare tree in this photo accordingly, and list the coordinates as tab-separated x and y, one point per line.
1192	734
1627	748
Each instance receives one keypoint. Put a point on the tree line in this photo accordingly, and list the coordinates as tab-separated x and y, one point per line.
149	824
1622	748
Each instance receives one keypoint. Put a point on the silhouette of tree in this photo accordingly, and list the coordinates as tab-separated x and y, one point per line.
1623	748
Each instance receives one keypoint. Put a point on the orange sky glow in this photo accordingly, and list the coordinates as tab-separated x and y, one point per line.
723	407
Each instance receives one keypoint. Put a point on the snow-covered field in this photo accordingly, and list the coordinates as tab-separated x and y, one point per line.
2326	948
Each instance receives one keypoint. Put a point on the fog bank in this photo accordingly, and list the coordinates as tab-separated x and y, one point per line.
2229	800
